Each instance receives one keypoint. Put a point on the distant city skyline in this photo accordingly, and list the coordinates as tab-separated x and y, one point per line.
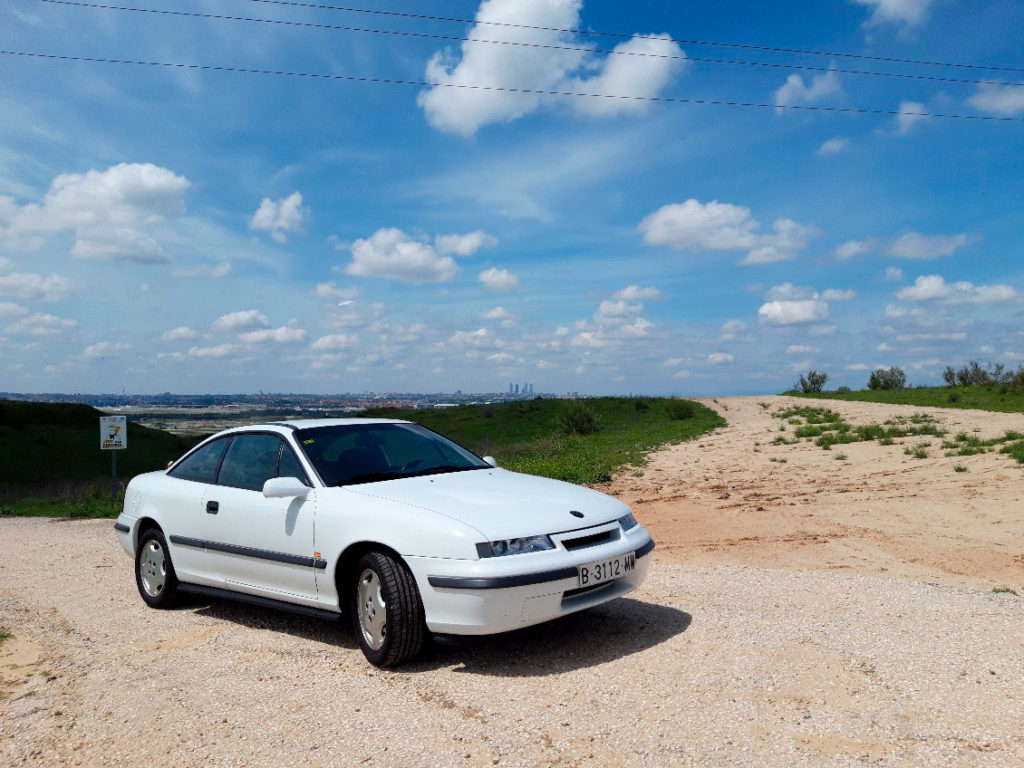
442	205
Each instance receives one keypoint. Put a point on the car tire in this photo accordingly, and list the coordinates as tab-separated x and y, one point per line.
387	613
154	571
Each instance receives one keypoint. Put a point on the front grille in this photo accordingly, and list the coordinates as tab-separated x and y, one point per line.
584	590
592	540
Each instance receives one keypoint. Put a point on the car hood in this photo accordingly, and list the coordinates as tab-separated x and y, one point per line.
501	504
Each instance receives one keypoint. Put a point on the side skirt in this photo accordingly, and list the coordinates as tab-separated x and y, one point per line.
264	602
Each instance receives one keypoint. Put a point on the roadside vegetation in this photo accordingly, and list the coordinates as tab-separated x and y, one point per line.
52	465
992	387
826	428
580	441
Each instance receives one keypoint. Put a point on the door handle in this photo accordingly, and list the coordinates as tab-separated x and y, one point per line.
212	507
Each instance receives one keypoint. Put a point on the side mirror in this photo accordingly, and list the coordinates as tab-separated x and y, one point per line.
285	488
491	460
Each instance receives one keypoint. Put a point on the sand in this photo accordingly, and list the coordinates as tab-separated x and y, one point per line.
723	500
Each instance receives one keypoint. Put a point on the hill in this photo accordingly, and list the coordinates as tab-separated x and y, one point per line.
43	445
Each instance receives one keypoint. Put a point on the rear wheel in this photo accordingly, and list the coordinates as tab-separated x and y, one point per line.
387	613
154	571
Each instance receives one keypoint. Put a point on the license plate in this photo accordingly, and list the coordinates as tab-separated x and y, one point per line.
606	570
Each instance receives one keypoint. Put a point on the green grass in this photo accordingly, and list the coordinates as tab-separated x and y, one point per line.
978	397
525	436
1004	591
960	468
43	445
4	635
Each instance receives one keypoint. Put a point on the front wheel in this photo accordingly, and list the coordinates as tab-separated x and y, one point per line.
154	571
387	613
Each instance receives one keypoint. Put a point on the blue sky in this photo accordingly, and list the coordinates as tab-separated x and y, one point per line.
186	230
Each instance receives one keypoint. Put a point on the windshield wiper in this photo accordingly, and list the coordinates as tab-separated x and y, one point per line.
444	468
368	477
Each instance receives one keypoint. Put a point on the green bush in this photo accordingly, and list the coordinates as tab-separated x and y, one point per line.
844	390
893	378
680	409
814	381
577	419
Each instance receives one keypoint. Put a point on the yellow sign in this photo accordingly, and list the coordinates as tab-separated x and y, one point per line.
113	433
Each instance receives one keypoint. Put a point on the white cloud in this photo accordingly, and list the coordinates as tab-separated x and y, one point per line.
391	254
181	333
800	349
790	292
333	342
111	212
636	293
589	339
792	312
469	93
851	249
616	310
32	287
822	330
496	279
244	320
501	357
640	67
910	12
498	313
681	375
836	294
206	270
931	287
720	358
715	226
672	362
104	349
910	113
893	273
221	350
794	91
883	347
280	335
10	309
730	328
475	338
40	325
334	293
1002	100
914	245
834	146
464	245
280	216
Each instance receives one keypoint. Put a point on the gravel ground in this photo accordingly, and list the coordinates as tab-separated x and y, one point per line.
706	665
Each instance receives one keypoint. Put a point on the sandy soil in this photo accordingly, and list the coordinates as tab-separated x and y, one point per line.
723	499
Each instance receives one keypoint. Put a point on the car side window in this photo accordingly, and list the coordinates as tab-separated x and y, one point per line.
250	461
202	465
289	466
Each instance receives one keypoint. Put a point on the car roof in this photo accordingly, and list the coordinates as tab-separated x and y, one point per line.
292	424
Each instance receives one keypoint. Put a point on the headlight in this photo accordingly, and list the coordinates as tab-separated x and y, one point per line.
515	546
628	521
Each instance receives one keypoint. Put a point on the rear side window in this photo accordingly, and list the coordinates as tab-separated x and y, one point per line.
201	466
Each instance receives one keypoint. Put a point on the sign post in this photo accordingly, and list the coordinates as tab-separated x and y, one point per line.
113	438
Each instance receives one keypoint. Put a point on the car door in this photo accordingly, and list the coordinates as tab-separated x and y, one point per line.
260	545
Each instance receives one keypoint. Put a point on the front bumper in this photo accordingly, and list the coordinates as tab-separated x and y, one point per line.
484	597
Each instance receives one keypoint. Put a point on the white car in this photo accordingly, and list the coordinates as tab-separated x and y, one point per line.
408	531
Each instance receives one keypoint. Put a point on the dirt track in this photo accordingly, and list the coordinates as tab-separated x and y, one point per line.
717	661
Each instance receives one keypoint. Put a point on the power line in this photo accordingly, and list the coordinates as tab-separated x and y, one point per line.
623	35
518	43
507	89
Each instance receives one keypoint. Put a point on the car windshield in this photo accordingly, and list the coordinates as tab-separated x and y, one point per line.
350	454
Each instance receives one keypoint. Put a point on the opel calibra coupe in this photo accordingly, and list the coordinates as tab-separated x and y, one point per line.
406	531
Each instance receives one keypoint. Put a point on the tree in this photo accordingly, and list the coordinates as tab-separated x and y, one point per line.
813	382
893	378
